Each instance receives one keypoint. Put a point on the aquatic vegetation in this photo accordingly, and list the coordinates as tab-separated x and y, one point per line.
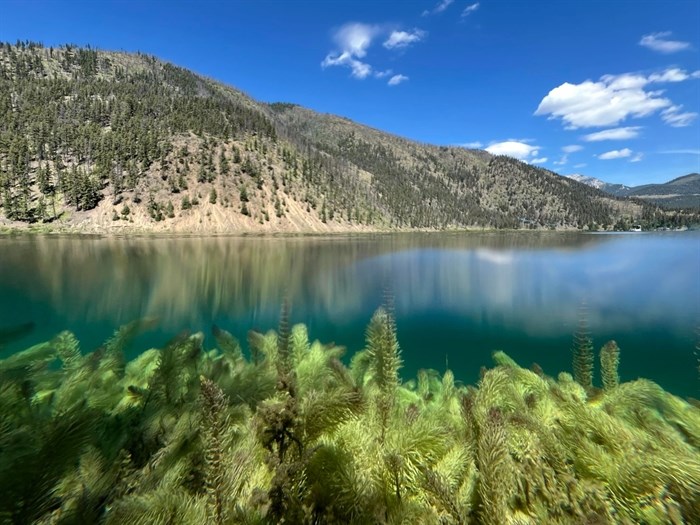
583	352
609	361
284	431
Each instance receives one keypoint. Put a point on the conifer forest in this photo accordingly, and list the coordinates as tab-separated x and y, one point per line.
96	141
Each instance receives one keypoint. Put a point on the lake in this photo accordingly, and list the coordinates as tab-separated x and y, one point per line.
458	296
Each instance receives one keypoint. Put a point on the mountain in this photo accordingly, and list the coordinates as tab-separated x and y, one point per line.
98	141
619	190
682	192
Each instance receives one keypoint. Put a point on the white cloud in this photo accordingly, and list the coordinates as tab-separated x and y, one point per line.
597	104
582	165
674	118
470	9
444	4
573	148
672	74
681	152
637	157
541	160
401	39
472	145
439	7
615	154
353	39
630	132
610	100
397	79
658	42
360	69
382	74
512	148
526	141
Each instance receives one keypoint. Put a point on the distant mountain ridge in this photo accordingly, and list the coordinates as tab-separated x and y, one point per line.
618	190
681	192
99	141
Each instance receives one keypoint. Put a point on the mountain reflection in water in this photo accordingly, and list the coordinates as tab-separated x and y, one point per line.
458	296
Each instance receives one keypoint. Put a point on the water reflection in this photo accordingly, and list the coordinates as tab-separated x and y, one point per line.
177	279
492	289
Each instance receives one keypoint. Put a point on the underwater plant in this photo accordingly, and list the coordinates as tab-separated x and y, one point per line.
696	351
609	361
583	351
284	432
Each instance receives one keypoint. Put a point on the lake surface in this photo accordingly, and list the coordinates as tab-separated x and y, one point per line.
457	297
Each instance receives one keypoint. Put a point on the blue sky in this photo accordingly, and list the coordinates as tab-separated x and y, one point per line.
610	89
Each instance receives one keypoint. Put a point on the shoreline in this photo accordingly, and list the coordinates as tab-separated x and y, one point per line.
19	228
9	231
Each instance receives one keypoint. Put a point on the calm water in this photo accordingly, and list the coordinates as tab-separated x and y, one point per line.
458	297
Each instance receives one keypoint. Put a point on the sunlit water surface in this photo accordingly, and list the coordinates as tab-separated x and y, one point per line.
457	297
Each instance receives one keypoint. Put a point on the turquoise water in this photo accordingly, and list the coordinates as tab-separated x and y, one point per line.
457	297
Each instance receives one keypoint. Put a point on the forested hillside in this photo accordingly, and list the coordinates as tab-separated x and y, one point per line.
681	192
104	141
677	194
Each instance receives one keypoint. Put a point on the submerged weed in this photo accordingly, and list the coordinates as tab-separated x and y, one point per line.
189	434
